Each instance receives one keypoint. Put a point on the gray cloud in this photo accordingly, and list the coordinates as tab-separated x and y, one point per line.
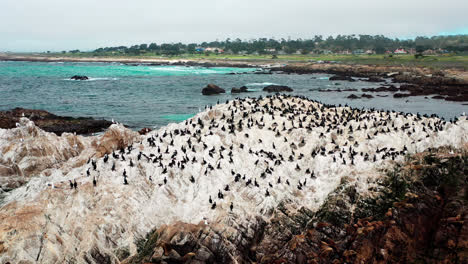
32	25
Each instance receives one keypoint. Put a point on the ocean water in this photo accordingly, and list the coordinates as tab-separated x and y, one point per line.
153	96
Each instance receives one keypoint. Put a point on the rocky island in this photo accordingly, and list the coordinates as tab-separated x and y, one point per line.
280	179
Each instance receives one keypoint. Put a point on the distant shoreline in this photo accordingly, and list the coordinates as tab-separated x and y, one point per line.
208	63
279	64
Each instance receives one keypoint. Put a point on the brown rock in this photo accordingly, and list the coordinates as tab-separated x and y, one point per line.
211	89
277	88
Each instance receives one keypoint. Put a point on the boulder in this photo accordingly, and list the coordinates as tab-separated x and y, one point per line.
79	77
341	78
212	89
242	89
277	88
400	95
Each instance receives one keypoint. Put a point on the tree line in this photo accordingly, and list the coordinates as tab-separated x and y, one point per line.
318	44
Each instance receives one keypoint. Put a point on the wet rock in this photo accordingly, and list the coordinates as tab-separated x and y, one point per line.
79	77
242	89
367	96
374	79
390	88
458	98
352	96
341	78
401	95
53	123
263	72
438	97
211	89
277	88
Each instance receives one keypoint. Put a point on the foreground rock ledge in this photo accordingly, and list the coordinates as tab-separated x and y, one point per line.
53	123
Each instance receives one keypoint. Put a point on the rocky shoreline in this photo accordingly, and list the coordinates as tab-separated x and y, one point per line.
53	123
412	82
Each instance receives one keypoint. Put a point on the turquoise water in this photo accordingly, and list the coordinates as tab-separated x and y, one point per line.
153	96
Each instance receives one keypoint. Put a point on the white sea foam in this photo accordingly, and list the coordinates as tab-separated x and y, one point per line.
261	84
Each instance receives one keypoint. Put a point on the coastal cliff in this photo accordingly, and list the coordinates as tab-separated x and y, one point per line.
280	179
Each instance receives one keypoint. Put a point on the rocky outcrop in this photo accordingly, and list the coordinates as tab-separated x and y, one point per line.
257	180
242	89
211	89
79	77
53	123
353	96
423	81
277	88
452	92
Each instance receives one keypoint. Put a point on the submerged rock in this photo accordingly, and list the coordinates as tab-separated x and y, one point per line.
353	96
242	89
211	89
341	78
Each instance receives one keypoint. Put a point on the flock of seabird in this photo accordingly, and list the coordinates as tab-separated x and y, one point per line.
278	131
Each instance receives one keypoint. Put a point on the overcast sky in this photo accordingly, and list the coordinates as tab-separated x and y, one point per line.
39	25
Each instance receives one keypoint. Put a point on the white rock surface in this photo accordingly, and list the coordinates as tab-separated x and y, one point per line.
45	220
